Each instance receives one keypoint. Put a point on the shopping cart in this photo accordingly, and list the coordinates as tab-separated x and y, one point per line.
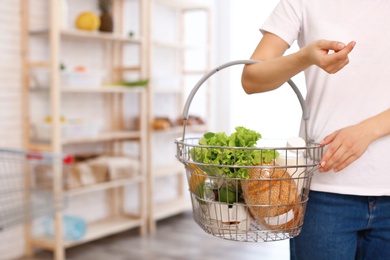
268	203
28	181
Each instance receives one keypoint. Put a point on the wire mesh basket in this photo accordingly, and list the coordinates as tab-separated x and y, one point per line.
258	202
27	185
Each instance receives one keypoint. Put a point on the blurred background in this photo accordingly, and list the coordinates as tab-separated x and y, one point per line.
105	82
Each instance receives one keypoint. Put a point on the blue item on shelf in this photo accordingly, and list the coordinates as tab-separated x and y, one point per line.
74	227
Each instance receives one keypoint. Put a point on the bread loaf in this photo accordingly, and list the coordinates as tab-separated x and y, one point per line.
271	195
161	123
288	221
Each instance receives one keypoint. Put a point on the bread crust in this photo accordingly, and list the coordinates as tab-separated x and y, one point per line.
272	198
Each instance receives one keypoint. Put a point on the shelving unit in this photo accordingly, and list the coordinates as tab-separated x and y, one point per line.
118	131
172	77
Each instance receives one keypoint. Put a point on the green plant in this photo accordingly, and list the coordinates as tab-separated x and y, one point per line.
220	151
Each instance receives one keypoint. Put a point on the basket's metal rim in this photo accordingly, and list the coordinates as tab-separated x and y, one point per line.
39	156
312	165
263	166
26	152
219	203
308	163
181	142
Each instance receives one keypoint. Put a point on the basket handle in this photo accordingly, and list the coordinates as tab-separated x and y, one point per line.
305	113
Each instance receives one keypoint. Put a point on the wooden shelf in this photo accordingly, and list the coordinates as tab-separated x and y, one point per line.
179	129
43	145
107	50
180	46
95	230
161	90
39	64
173	207
104	89
104	137
92	89
185	4
169	170
104	186
174	86
93	35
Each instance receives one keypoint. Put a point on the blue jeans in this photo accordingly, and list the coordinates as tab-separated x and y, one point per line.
344	227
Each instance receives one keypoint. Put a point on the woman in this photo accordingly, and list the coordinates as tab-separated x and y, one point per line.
348	96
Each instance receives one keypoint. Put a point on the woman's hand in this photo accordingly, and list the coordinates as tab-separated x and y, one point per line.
348	144
275	69
345	146
331	56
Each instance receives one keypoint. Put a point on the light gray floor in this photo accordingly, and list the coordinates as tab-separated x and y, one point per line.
177	238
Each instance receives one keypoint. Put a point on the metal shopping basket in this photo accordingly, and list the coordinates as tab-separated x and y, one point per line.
259	202
27	184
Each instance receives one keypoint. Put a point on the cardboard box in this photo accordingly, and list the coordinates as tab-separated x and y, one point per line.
116	167
43	176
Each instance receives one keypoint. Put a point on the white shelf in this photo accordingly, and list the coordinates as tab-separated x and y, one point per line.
95	230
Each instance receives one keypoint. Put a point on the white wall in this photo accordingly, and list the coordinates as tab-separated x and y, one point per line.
10	89
235	35
11	243
275	114
220	118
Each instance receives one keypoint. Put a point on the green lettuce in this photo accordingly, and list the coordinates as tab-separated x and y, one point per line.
221	154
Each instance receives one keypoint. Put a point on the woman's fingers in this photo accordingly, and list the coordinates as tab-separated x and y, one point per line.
335	55
344	147
337	159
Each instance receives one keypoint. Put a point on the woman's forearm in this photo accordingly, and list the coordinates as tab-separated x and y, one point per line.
378	125
271	74
275	69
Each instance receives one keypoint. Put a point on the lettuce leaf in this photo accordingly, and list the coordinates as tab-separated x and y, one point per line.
220	154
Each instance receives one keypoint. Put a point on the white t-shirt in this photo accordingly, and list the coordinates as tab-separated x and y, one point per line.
360	90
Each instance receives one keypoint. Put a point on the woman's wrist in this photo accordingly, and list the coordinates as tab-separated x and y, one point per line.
378	126
304	57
